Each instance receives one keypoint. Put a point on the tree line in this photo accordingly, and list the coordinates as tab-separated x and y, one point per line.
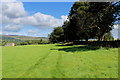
31	42
88	20
26	42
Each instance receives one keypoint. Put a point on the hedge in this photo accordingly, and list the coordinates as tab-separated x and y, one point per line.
114	44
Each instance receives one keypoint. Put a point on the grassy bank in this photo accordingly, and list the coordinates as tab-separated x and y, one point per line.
58	61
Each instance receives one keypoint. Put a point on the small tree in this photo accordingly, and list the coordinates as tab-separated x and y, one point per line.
3	42
57	35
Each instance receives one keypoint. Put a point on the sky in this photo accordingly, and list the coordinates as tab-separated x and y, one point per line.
35	19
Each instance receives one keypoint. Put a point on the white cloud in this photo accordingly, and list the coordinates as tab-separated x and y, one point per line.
12	33
37	20
14	13
116	26
13	9
64	18
116	31
15	17
30	31
7	0
33	32
12	28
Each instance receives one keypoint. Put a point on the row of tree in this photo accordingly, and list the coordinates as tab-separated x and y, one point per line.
30	42
88	20
26	42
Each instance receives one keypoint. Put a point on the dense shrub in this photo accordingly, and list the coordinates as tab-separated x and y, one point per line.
113	44
4	42
30	42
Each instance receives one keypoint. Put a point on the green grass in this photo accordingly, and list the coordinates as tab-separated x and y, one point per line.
57	61
0	62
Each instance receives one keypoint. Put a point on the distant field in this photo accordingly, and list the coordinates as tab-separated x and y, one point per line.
57	61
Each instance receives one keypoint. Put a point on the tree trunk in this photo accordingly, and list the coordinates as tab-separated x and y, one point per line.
100	38
86	39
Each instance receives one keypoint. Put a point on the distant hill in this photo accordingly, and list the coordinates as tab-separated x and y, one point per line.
20	38
10	39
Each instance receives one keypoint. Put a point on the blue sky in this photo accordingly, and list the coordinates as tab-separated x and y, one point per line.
55	9
51	14
36	18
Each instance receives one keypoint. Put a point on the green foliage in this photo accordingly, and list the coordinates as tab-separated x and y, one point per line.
77	28
5	39
105	14
57	35
26	42
88	20
22	40
59	61
31	42
3	42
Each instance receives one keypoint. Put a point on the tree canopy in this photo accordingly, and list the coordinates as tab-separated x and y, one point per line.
57	35
90	20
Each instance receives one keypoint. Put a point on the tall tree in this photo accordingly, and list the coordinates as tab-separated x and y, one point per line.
90	19
57	35
105	15
79	18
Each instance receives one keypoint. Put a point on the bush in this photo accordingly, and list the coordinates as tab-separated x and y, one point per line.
30	42
114	44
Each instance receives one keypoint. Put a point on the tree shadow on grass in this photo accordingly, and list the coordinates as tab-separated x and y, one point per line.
65	45
77	49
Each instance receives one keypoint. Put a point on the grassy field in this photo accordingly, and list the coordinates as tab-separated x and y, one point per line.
57	61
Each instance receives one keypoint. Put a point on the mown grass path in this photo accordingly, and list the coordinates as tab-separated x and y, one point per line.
57	61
